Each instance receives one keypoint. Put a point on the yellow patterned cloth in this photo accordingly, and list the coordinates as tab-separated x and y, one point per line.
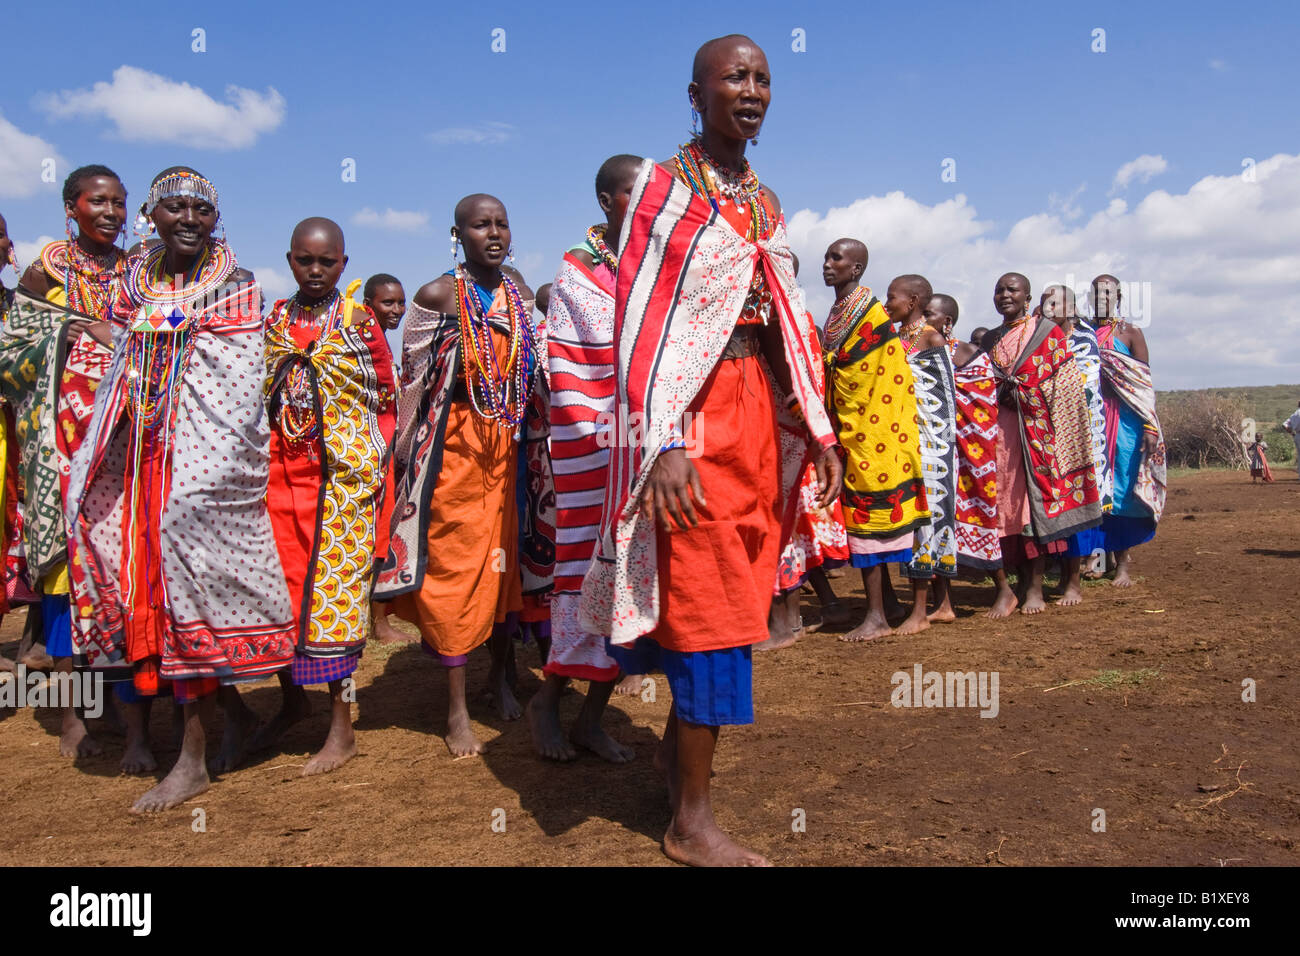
872	401
326	488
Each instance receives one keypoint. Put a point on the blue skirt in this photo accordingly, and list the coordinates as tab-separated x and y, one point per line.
1122	532
1081	544
713	688
56	624
902	556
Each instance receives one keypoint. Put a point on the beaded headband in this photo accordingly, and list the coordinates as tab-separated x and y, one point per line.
181	183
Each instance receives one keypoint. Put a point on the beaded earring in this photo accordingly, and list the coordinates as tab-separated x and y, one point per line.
510	254
67	227
695	117
143	226
754	141
455	249
13	261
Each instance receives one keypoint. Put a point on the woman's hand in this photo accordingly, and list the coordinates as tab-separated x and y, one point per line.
668	491
830	476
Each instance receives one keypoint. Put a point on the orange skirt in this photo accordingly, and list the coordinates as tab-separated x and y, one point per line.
715	580
471	579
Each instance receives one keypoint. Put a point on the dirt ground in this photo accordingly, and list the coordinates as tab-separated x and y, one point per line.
1162	742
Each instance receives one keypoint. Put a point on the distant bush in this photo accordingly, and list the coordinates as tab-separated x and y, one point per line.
1203	429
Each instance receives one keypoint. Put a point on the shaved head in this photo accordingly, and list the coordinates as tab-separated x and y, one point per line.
620	170
466	206
1104	277
317	227
854	250
706	52
916	285
946	304
1016	275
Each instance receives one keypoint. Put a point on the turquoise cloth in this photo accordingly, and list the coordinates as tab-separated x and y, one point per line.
1128	457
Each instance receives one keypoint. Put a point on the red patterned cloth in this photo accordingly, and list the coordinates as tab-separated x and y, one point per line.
1050	418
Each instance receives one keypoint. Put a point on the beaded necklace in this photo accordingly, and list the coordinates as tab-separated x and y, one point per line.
297	410
596	237
909	334
496	393
161	340
844	313
152	285
90	282
715	183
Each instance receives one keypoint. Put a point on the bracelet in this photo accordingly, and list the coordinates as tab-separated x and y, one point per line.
675	444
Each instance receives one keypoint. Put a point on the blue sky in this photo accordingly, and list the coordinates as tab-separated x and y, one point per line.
1038	125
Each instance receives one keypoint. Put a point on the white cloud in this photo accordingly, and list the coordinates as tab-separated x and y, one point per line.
275	284
1217	259
488	133
1218	66
146	107
1140	170
394	220
21	159
27	252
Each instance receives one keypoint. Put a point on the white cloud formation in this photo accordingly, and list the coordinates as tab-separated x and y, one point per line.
21	159
1209	263
488	133
1140	170
276	284
394	220
1218	66
145	107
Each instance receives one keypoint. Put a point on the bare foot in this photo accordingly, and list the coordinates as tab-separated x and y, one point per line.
873	627
943	614
1034	603
503	696
338	750
915	623
75	739
629	686
241	729
1072	595
708	846
1121	579
6	665
600	743
36	659
836	614
775	642
460	738
188	779
548	736
296	706
1003	604
138	758
385	633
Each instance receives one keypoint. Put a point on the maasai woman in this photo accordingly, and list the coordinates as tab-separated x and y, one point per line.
872	400
1135	443
469	357
331	396
55	348
691	526
174	565
579	349
1047	488
1058	305
934	551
